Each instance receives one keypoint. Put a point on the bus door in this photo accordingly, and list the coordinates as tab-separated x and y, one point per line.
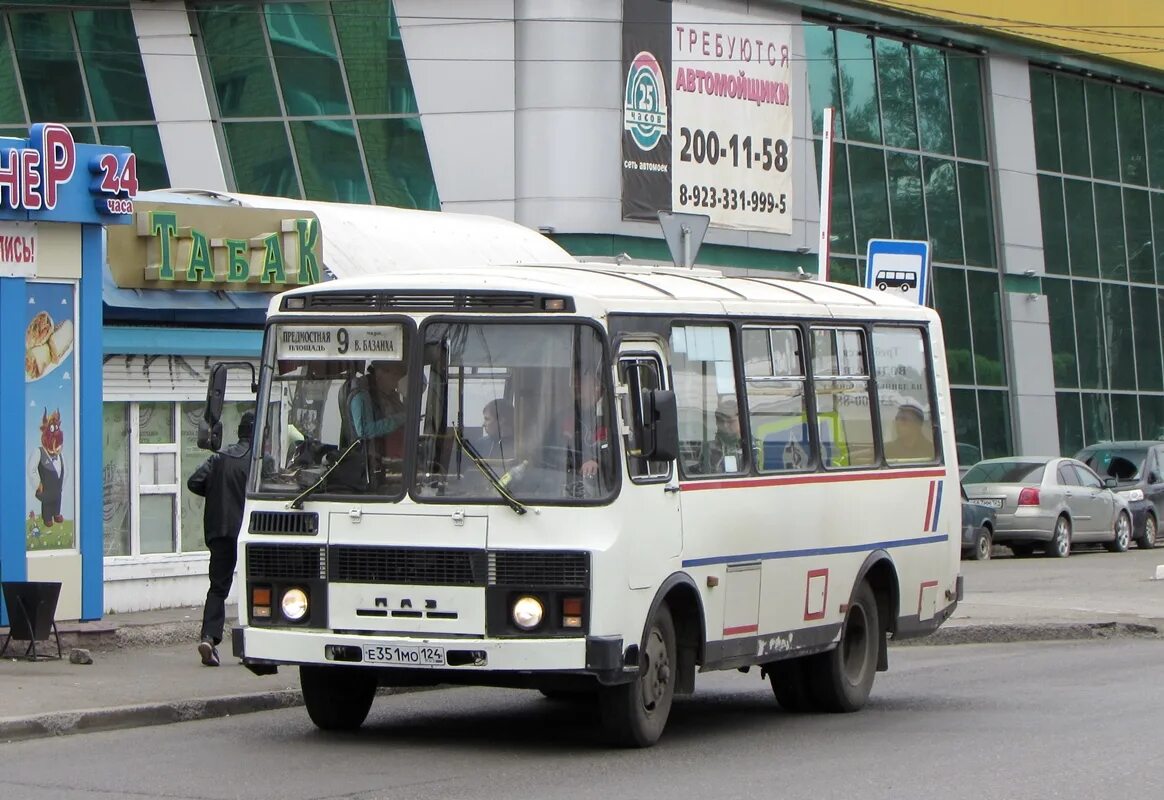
650	496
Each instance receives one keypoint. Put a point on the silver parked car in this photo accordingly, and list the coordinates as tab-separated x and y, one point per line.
1051	503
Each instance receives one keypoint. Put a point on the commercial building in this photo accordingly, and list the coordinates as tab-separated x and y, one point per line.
1025	142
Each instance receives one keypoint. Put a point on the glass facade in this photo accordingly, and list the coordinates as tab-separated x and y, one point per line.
911	162
1099	149
316	101
82	68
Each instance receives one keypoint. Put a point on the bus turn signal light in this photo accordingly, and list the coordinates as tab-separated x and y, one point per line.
261	602
572	612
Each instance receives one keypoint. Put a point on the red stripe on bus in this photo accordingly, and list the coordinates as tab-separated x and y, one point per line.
792	480
929	506
740	629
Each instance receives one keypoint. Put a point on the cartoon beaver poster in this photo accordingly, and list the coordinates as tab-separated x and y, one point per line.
50	417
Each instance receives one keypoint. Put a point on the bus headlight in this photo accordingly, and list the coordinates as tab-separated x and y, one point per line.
294	604
527	612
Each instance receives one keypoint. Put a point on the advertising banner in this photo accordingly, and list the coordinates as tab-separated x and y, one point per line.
707	116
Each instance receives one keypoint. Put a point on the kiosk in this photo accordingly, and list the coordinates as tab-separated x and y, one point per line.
56	196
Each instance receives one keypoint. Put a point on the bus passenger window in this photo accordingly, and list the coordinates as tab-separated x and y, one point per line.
903	392
705	393
843	414
777	417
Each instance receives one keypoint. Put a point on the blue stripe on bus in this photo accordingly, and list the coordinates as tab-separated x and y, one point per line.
938	506
815	551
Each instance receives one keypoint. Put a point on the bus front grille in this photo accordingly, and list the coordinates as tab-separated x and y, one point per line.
286	562
414	566
539	569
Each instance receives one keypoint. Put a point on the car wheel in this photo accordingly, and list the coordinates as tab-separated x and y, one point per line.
1060	544
1148	540
1123	534
983	543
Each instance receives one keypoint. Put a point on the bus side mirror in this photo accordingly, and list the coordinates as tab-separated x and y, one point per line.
209	436
661	431
210	428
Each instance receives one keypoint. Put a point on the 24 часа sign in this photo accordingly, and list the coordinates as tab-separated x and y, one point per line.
707	115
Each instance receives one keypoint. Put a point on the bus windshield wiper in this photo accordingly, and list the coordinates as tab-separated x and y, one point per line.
480	463
297	503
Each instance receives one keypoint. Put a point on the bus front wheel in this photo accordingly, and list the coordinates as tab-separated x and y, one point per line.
337	698
843	677
634	714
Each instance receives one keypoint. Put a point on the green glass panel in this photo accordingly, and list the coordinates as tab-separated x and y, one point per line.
986	322
1117	313
306	59
236	56
1081	228
1105	157
1146	322
1138	235
1158	233
1152	416
933	100
144	141
994	406
1046	125
1125	414
977	214
870	202
954	309
1109	218
858	87
11	107
841	222
329	161
1096	417
1070	423
83	134
1154	130
1058	293
966	103
844	270
113	67
1130	125
48	66
1072	134
1054	225
1089	335
905	196
373	57
14	133
261	158
895	82
965	403
942	209
398	163
821	54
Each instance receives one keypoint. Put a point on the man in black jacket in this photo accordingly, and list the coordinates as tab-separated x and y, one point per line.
222	480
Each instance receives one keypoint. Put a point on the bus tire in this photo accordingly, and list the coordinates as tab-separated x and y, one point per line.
337	698
634	714
842	678
789	679
566	695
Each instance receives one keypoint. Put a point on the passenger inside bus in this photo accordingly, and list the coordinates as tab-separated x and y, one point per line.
497	427
910	442
724	453
584	434
377	410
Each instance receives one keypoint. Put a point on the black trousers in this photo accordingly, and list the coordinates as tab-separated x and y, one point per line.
223	555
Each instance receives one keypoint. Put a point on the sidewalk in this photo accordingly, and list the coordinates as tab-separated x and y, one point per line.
146	669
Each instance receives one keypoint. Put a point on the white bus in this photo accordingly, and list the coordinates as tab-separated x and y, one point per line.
594	480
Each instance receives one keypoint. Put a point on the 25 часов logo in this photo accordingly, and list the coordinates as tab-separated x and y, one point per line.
644	111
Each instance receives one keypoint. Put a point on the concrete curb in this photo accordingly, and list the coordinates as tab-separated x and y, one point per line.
1005	633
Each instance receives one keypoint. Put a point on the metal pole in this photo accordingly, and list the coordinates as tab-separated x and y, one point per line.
685	233
826	196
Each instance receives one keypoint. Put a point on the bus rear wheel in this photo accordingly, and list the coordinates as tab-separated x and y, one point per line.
337	698
634	714
841	679
789	679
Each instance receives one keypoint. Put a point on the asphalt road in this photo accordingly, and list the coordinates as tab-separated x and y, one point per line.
1066	720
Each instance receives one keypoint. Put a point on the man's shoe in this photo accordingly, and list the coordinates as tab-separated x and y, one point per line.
209	653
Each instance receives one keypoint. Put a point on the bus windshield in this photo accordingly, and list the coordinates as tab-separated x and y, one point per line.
514	409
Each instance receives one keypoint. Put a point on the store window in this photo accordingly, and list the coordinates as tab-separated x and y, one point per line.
335	90
911	162
83	68
1103	228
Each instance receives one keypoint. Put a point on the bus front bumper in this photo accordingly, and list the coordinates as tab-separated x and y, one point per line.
263	650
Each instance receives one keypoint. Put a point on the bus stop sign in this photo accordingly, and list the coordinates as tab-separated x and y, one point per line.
899	266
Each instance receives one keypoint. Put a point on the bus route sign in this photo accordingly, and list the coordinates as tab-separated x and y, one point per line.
899	266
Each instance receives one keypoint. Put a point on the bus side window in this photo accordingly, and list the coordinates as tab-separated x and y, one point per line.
774	383
903	393
703	367
640	374
844	416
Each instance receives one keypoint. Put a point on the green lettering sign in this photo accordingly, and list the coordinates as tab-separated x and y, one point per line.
238	268
201	268
273	268
163	225
308	230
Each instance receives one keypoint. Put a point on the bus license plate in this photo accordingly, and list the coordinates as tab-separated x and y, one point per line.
405	655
